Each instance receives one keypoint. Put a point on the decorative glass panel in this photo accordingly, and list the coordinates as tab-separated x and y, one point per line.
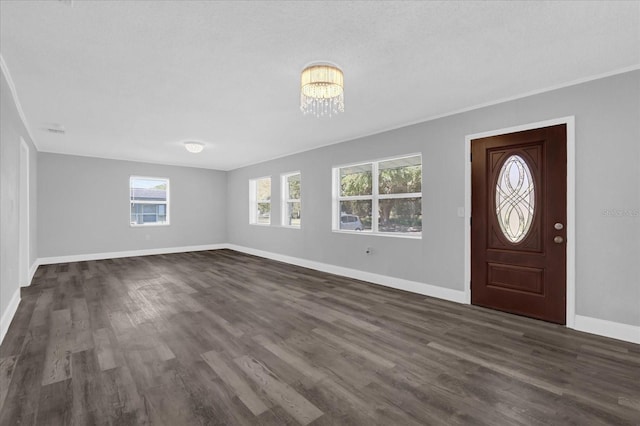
515	199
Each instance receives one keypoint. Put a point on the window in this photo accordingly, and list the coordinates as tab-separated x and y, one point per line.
291	206
260	201
381	197
149	200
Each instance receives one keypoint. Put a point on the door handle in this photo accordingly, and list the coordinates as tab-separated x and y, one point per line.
558	226
558	239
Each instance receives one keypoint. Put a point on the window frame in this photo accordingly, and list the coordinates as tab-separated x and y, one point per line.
375	197
285	200
253	201
167	221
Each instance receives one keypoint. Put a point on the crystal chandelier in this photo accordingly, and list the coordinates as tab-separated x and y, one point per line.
322	90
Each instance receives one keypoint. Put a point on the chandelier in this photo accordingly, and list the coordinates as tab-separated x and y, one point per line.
322	90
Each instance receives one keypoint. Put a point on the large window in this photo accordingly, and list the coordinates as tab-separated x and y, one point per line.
382	197
260	201
291	206
149	199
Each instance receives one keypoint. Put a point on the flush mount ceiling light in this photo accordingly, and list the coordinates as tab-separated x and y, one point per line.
322	90
194	147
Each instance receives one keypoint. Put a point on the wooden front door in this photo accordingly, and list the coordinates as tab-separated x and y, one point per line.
518	222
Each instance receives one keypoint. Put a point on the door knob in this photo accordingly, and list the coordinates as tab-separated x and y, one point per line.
558	226
558	239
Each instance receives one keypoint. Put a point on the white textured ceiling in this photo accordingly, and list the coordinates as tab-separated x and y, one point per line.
131	79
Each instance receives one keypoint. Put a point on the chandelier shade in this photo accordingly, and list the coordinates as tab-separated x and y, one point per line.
322	90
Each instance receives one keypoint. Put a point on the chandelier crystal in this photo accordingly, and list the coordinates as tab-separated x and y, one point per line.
322	90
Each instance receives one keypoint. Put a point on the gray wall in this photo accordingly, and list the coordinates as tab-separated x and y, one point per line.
607	113
11	130
84	206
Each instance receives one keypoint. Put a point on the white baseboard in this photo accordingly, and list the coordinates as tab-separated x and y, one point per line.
7	316
32	271
615	330
385	280
128	253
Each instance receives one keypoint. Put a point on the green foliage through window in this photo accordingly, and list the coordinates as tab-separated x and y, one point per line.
291	204
260	197
389	192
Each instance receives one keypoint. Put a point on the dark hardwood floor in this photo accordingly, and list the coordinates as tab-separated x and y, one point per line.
225	338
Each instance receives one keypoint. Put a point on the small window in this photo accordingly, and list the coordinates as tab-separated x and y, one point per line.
149	201
291	205
260	201
381	197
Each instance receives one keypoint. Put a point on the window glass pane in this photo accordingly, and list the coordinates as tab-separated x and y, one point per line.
356	180
400	215
149	198
355	215
149	218
264	213
143	189
293	187
293	217
263	189
148	213
400	176
260	201
149	208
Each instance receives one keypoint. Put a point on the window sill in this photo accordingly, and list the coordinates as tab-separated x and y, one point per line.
379	234
260	224
147	225
290	227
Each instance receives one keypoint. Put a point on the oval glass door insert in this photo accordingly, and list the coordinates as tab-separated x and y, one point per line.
515	199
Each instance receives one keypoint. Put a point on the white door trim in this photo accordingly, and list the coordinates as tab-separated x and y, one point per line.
571	206
24	218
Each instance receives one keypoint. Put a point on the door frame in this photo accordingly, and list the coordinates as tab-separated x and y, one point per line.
24	215
571	206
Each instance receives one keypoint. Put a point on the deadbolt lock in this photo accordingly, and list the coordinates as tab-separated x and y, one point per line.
558	226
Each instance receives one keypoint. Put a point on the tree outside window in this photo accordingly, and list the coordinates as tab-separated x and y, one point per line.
291	196
260	201
380	196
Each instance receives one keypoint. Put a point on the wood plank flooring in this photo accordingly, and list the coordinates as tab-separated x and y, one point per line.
223	338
